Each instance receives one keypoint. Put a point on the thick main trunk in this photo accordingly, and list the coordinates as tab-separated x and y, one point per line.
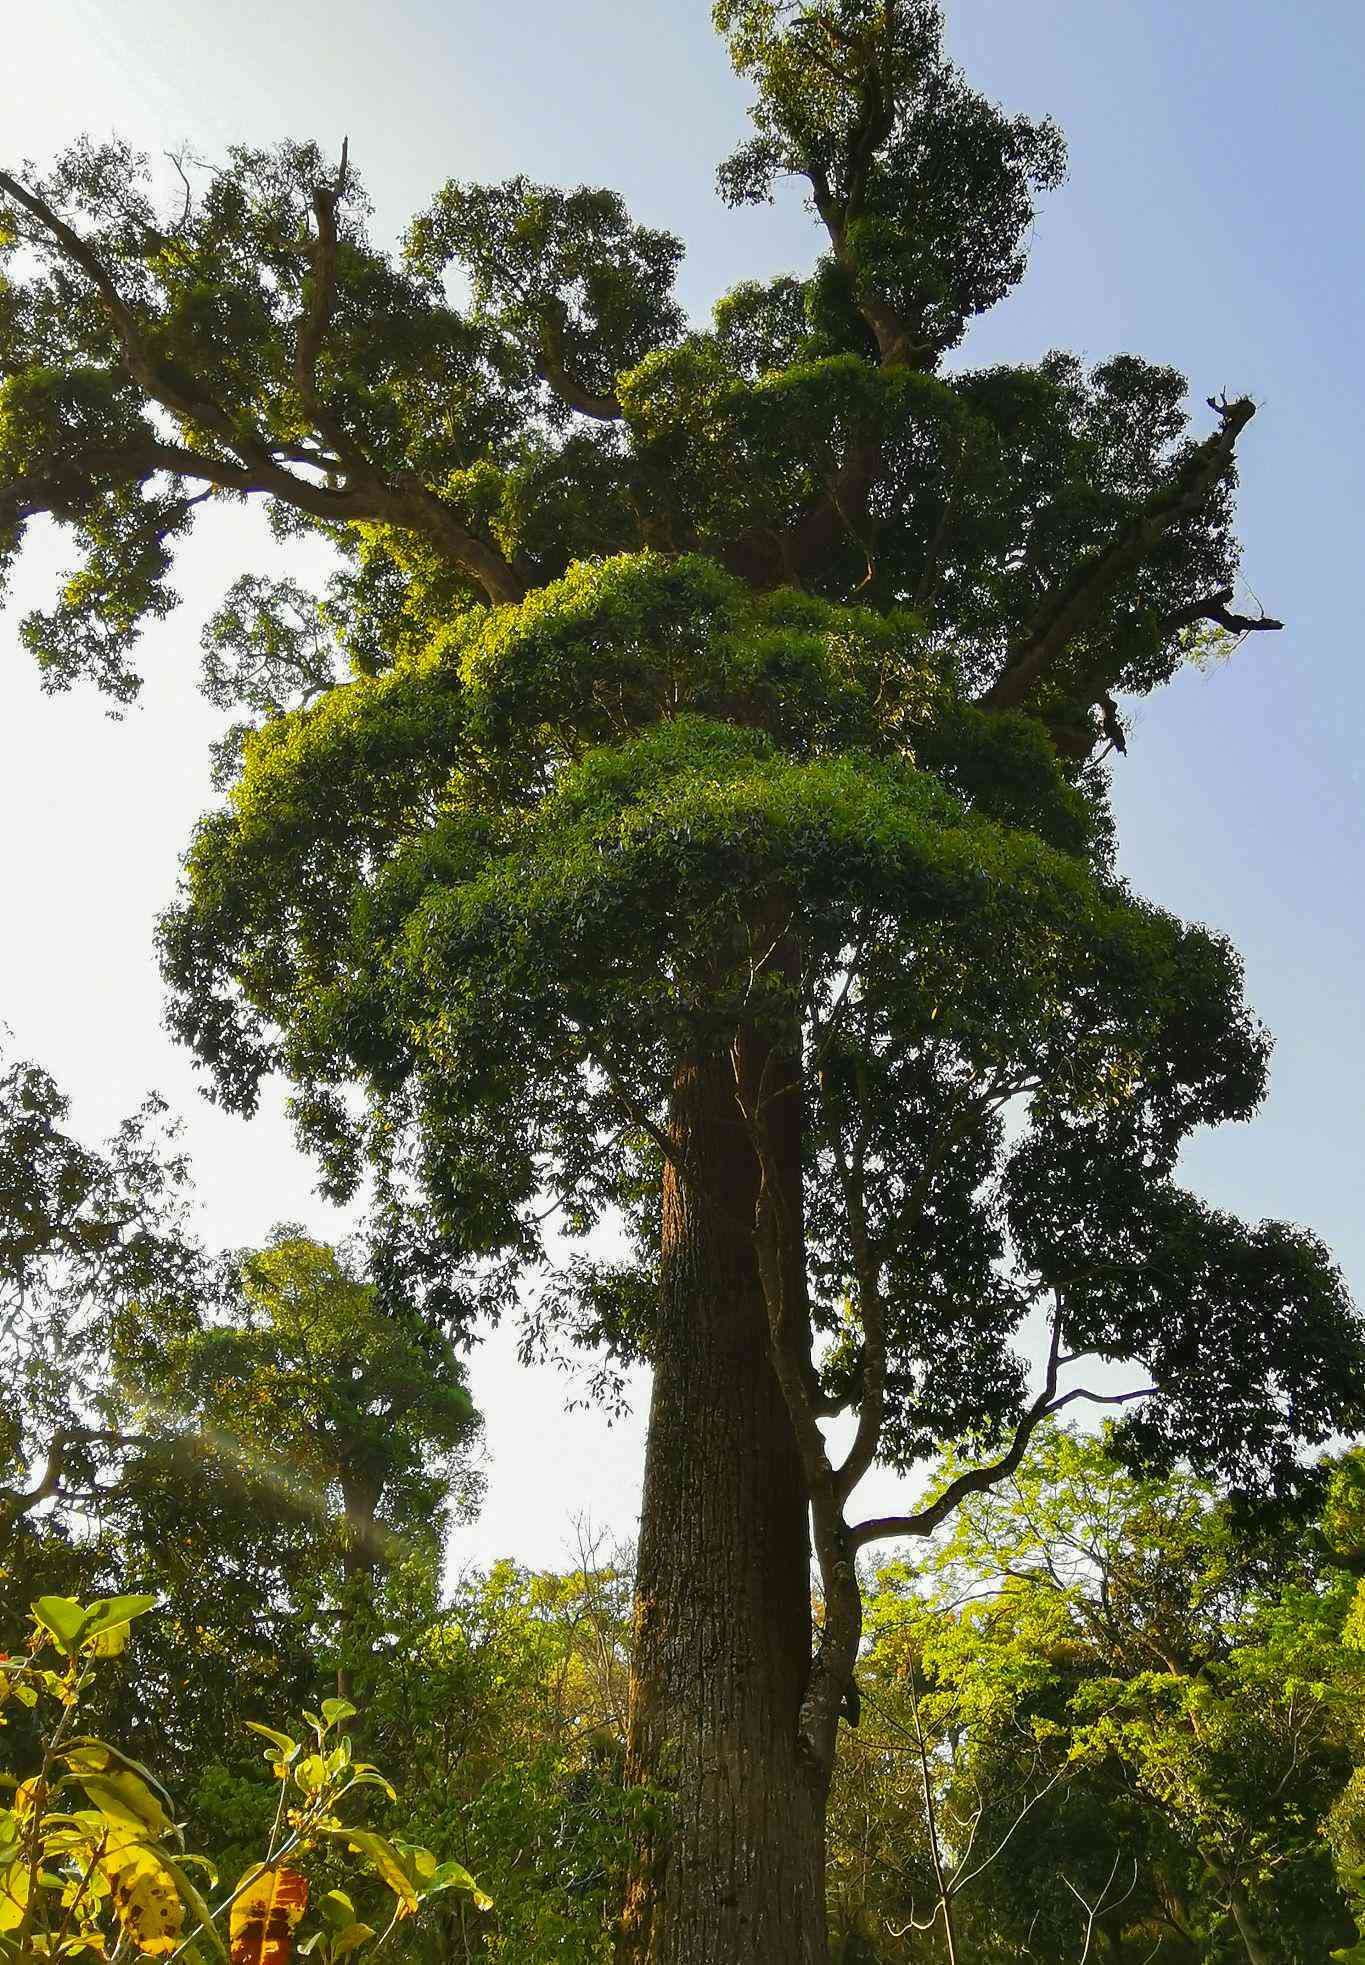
723	1621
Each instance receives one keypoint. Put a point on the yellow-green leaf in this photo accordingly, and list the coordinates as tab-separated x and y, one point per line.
14	1881
116	1790
347	1940
62	1618
146	1901
454	1876
384	1860
111	1614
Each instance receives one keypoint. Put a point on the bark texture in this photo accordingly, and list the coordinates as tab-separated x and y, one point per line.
723	1615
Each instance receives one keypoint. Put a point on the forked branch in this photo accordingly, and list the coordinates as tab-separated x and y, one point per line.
1071	607
253	463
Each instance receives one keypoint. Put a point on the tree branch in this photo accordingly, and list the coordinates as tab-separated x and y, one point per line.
872	1392
407	503
1215	608
551	369
976	1480
183	404
1072	606
15	1502
316	318
839	209
778	1246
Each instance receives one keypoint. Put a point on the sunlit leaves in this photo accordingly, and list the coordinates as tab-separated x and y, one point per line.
73	1625
78	1878
1167	1682
565	276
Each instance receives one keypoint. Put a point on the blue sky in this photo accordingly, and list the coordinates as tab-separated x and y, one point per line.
1213	220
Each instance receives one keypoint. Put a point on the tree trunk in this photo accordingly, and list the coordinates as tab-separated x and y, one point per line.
359	1570
1246	1928
735	1873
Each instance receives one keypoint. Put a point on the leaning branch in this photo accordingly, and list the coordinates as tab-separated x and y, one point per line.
975	1480
186	405
1070	608
978	1480
551	369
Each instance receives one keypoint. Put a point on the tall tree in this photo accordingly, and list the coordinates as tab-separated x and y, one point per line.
709	831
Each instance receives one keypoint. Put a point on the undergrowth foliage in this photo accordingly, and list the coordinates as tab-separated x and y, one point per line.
91	1861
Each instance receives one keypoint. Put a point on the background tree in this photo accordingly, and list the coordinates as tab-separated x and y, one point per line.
707	833
307	1382
84	1233
257	1439
1177	1696
511	1700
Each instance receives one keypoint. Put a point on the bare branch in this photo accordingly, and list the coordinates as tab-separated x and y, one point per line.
1214	607
1101	1902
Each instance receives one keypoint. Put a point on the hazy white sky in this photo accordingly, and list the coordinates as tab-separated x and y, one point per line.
1213	220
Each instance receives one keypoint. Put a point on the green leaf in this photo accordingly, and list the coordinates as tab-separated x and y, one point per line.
337	1909
107	1613
347	1940
62	1617
384	1860
334	1710
287	1748
454	1876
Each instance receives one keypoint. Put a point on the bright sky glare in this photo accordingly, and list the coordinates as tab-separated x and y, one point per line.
1213	220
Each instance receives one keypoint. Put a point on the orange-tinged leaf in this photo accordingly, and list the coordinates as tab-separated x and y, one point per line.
265	1917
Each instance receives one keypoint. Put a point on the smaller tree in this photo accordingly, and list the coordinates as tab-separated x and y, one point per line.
84	1232
506	1710
350	1410
1181	1691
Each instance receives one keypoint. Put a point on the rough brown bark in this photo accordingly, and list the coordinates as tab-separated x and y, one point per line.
723	1616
